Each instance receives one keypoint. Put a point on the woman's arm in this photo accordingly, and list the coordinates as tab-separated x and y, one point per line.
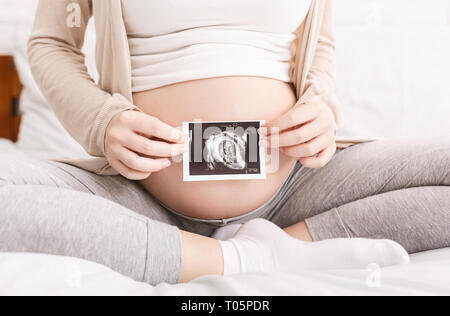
104	124
308	130
321	79
58	66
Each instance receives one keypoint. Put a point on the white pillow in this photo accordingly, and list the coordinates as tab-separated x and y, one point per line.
393	67
393	82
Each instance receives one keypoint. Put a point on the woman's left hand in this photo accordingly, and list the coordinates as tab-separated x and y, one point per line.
306	132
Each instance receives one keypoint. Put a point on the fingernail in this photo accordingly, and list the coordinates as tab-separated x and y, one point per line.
176	134
263	143
185	139
166	163
262	131
181	149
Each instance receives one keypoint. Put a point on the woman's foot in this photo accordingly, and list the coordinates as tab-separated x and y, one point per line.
261	246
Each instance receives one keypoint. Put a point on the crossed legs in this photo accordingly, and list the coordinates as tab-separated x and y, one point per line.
383	190
396	190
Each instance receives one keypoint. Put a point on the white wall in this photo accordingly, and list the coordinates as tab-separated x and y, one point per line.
14	11
14	14
394	67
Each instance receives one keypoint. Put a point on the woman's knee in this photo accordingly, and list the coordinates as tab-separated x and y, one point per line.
430	156
428	159
387	165
18	169
404	148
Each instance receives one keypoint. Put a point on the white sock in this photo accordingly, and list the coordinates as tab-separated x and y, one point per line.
226	232
261	246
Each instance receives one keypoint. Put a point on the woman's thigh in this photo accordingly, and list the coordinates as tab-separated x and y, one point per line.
19	169
362	171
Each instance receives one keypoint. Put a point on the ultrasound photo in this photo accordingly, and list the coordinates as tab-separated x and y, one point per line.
223	151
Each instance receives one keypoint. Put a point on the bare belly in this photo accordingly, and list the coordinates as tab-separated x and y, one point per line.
218	99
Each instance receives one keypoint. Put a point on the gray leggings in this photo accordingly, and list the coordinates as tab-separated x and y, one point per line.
388	189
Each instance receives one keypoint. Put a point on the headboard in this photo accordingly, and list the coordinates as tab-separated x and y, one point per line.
10	89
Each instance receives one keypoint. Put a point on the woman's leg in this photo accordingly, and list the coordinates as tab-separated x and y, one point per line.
387	189
417	218
43	212
55	221
19	169
58	209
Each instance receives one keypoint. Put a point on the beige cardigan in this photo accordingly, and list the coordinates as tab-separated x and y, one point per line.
85	108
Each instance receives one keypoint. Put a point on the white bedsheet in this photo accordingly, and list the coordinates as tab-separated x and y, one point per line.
30	274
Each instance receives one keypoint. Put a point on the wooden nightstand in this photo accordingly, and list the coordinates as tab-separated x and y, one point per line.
10	88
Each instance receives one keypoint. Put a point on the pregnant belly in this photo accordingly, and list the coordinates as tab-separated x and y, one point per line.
218	99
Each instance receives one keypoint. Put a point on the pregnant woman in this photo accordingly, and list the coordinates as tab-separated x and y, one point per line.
162	63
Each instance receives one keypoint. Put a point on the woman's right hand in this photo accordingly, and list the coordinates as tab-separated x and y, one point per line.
131	146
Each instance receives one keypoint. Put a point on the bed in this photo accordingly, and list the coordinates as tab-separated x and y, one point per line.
380	98
32	274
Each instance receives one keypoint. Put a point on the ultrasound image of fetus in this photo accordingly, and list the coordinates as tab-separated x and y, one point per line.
226	150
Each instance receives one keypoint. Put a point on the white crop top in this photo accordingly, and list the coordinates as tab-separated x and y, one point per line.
174	41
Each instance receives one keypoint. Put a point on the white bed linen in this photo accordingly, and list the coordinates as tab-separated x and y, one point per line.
31	274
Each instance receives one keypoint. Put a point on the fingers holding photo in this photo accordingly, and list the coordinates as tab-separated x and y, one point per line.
298	115
306	132
321	160
302	134
152	127
137	144
311	148
127	172
153	148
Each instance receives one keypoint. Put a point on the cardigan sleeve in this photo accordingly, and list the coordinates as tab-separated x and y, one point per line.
58	66
321	78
